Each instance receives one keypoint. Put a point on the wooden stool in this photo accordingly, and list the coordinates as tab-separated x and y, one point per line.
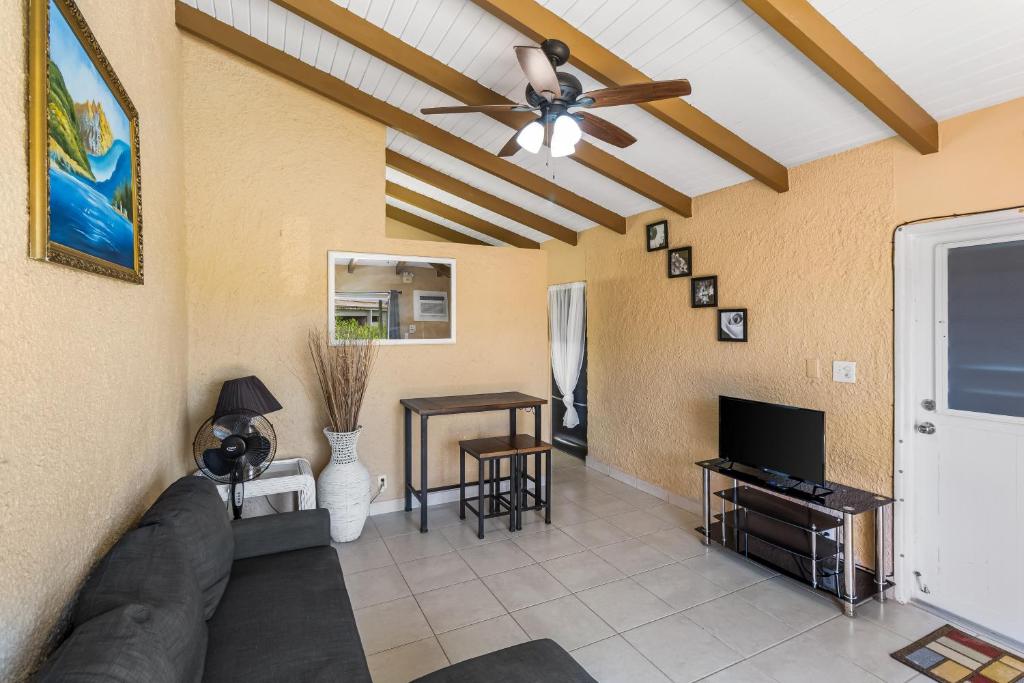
493	450
525	446
489	451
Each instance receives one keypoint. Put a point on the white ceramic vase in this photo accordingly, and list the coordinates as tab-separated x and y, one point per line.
343	487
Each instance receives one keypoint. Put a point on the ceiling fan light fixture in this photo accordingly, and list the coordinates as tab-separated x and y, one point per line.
565	135
531	137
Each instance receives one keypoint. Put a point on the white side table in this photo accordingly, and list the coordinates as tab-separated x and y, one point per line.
283	476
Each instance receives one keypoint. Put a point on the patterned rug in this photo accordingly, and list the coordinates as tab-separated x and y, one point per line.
952	656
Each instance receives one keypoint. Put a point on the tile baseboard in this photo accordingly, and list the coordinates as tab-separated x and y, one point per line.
683	502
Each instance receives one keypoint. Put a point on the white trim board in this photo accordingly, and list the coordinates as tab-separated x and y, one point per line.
443	497
683	502
434	499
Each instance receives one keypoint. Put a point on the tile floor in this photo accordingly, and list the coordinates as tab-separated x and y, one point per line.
619	579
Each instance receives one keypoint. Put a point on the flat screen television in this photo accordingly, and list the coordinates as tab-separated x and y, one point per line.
777	438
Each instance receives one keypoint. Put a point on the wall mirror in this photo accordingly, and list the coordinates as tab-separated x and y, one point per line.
406	299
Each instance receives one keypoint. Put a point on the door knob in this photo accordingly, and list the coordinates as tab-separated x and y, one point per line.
926	428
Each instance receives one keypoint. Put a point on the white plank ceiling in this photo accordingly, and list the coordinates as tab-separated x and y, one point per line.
951	56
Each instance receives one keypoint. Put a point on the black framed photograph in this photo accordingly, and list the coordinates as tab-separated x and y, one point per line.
732	324
704	291
657	236
680	262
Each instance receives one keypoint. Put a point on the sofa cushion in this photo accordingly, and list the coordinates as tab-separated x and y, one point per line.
148	570
286	617
192	509
118	646
538	661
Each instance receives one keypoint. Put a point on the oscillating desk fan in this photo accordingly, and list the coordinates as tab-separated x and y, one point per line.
237	444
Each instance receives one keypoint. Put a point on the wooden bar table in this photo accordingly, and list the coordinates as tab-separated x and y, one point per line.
456	405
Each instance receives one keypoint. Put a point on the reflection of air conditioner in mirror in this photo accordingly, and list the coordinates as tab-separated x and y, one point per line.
430	306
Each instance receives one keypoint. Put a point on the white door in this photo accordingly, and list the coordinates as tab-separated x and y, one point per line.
960	417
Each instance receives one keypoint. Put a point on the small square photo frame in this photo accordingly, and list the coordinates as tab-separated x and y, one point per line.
657	235
704	292
680	262
732	324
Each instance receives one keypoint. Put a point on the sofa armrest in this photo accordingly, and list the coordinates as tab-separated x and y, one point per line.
281	532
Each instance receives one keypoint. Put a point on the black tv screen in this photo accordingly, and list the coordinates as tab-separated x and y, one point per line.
773	437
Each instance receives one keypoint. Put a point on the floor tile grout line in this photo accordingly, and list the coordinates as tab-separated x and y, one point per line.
633	647
411	642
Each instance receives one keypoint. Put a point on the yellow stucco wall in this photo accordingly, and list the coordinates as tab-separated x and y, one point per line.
257	246
403	231
814	268
93	370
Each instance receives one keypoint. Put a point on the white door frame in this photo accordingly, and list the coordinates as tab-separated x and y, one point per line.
1007	222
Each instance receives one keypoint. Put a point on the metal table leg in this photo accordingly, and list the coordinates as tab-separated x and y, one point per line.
706	500
523	502
424	484
880	552
408	459
547	488
480	498
462	483
849	565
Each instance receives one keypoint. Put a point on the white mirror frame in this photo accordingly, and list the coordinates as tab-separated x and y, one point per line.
334	256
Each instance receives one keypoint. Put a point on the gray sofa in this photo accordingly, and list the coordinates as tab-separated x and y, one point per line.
190	596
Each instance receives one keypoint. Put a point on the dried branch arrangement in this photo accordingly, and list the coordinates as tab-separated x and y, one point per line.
343	370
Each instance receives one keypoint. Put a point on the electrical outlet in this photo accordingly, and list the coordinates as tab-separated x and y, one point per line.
844	371
412	329
382	482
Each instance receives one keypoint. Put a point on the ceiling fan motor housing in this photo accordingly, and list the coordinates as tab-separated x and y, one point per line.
571	89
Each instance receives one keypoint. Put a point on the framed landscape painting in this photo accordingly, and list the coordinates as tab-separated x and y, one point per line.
84	171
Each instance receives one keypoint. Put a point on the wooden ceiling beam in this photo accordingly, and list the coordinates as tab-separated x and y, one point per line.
370	38
821	42
477	196
281	63
448	211
429	226
538	23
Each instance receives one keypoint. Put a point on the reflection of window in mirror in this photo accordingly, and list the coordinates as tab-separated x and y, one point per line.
406	299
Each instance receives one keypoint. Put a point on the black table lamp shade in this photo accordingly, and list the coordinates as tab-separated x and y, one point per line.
245	393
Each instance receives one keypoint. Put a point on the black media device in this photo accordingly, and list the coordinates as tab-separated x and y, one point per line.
775	438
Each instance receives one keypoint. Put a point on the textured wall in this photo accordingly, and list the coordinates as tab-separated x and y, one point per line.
93	371
812	265
278	177
403	231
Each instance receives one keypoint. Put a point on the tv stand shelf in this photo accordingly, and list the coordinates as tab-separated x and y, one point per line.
797	529
779	509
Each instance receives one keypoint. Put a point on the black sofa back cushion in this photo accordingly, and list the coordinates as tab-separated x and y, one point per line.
115	647
193	511
147	576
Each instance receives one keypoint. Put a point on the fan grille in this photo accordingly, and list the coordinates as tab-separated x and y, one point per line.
249	432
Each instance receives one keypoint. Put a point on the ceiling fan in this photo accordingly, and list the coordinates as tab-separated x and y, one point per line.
555	94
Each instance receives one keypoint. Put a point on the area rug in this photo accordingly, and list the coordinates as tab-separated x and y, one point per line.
952	656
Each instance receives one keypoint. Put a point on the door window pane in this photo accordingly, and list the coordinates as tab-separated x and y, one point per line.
986	328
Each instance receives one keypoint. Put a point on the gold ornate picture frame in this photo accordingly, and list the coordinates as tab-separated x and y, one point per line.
85	177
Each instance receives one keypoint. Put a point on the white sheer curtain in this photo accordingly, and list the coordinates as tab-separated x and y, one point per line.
567	315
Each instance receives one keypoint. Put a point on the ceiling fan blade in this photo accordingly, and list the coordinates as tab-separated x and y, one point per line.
637	93
484	108
511	147
604	130
537	67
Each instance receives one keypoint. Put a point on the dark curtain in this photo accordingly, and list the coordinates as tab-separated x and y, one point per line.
393	316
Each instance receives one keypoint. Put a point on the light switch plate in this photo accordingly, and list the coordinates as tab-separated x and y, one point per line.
844	371
811	368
